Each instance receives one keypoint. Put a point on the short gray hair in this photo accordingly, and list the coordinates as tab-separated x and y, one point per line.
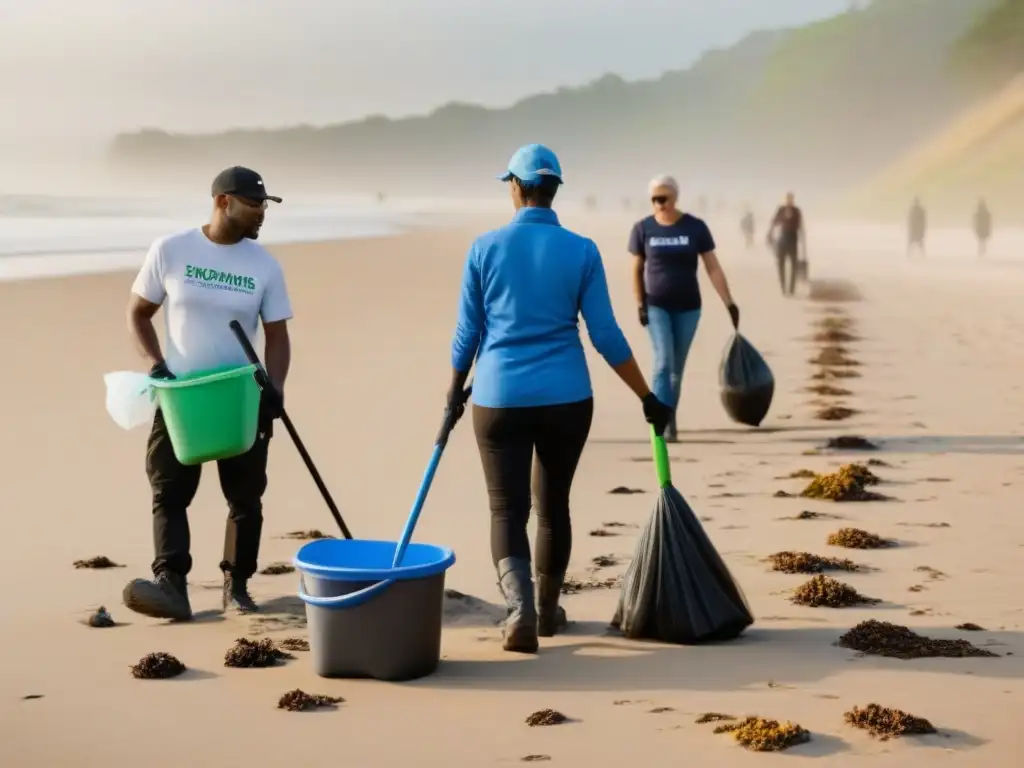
663	181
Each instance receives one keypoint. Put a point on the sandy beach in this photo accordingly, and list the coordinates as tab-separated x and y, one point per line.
939	392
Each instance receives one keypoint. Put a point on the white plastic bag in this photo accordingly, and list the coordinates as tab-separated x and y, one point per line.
131	401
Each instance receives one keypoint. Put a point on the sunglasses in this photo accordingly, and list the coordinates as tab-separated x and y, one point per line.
659	199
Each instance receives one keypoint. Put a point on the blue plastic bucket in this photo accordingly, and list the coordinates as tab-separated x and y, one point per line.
368	619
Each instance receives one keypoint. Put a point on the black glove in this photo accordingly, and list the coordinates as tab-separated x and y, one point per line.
642	314
272	400
160	371
456	404
734	314
656	413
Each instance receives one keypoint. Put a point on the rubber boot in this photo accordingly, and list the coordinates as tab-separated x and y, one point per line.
165	597
519	633
236	596
551	617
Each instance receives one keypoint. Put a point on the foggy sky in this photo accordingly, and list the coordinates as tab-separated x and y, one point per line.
91	68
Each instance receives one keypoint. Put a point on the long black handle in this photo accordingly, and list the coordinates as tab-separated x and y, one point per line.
264	382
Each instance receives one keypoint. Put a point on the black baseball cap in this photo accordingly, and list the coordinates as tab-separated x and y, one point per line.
243	182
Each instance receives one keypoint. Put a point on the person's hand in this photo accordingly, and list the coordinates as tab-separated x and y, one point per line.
160	371
456	404
657	414
272	399
642	314
734	315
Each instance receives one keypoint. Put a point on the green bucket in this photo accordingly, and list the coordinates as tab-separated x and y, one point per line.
210	415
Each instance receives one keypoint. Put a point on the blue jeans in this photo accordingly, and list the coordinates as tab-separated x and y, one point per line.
671	334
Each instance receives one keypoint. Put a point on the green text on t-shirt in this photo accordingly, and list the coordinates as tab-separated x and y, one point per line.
214	278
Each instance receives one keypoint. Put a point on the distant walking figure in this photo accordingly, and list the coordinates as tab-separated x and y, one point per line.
982	226
917	225
791	239
747	227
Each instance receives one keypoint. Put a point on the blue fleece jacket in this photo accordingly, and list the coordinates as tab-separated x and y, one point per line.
524	287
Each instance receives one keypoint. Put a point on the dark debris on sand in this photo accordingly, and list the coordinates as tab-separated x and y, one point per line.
249	654
880	638
835	413
535	759
825	592
309	535
278	569
294	644
798	474
835	373
623	490
834	357
712	717
835	322
969	627
934	574
300	701
829	390
157	666
573	586
885	723
604	532
97	563
805	562
845	484
855	538
809	515
762	735
851	443
101	619
834	335
546	717
605	561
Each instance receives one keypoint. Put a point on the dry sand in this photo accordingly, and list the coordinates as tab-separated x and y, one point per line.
939	388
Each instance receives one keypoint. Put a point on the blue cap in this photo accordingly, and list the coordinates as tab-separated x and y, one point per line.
531	163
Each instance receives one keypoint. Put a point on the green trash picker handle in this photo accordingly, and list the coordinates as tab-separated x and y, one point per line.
661	459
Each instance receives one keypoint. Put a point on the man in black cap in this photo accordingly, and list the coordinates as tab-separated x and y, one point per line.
204	278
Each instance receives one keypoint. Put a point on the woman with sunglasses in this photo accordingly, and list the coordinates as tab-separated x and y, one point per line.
666	247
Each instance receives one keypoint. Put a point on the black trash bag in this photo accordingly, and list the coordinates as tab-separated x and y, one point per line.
747	383
678	589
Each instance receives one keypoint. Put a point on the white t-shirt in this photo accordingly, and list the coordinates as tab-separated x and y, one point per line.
203	286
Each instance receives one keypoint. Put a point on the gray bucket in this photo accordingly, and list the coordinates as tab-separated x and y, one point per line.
367	619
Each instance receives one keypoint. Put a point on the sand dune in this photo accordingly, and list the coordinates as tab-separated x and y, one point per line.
937	394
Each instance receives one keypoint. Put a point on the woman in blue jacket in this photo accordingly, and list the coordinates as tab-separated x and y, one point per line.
666	247
524	287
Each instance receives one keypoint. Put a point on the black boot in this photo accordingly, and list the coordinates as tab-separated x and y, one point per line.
237	597
551	617
165	597
516	584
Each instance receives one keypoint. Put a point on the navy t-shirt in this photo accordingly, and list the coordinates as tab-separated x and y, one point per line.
670	260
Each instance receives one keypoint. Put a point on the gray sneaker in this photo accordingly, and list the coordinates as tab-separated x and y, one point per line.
165	597
237	597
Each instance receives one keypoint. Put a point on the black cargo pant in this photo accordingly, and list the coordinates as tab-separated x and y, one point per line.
243	480
507	439
786	252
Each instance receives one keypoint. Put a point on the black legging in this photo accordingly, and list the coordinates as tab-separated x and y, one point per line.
786	250
507	438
